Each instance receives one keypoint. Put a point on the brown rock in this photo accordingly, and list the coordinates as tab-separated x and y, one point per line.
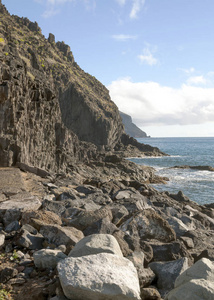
169	251
39	218
150	294
124	246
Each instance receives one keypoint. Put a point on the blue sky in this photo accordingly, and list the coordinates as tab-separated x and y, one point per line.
155	56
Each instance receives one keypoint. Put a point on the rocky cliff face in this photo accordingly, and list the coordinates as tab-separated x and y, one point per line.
52	113
130	128
48	105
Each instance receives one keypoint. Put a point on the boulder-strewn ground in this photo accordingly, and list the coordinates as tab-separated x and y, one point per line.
152	236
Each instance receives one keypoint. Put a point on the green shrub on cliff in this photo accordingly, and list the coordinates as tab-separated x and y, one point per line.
4	295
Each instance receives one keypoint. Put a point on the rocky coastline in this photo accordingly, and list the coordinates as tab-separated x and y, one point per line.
77	219
49	225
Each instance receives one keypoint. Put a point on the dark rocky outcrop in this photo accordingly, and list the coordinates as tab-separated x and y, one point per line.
130	128
52	113
199	168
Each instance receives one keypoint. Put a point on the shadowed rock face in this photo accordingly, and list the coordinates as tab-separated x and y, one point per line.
94	118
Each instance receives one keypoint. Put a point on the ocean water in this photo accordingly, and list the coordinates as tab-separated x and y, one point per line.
197	185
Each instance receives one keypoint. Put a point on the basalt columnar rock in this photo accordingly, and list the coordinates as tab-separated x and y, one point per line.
52	113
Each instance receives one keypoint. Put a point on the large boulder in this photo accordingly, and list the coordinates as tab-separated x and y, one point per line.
30	241
103	276
149	225
96	243
48	258
102	226
12	209
167	272
87	218
169	251
59	235
44	217
179	227
196	283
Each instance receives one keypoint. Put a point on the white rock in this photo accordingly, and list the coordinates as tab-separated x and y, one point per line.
29	203
102	276
196	283
195	289
202	269
2	240
96	243
48	258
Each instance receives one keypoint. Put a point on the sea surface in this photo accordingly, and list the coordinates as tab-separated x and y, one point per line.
194	151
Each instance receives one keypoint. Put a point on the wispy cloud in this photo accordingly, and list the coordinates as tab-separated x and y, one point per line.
136	8
48	13
53	6
150	103
196	80
147	56
124	37
187	71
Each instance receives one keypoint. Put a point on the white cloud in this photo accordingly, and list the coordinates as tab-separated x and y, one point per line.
136	8
196	80
147	57
124	37
151	104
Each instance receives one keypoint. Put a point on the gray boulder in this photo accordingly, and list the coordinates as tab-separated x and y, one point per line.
47	258
167	272
103	276
87	218
12	209
179	227
13	226
196	283
28	203
150	225
96	243
30	241
59	235
104	226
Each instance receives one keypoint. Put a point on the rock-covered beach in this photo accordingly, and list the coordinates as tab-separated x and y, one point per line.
105	240
77	220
